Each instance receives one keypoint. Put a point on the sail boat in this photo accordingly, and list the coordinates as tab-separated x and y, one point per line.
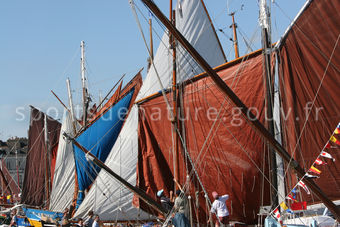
232	154
107	197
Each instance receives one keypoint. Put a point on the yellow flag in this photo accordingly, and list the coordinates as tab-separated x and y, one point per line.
334	140
283	206
314	170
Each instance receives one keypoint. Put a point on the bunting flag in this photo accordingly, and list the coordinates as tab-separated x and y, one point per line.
311	176
291	197
328	145
314	170
303	185
285	207
334	140
277	214
327	155
337	130
318	161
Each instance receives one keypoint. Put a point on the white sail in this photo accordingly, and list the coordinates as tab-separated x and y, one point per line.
107	197
193	22
64	173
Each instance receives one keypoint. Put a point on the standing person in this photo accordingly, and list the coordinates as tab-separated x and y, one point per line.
96	221
165	201
180	206
219	208
89	221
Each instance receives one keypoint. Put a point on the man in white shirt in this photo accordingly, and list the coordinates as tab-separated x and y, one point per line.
219	208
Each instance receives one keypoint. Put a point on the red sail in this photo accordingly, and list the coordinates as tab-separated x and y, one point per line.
228	160
309	68
38	158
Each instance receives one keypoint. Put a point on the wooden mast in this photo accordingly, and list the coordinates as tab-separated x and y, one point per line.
47	164
249	116
266	46
174	122
234	26
83	83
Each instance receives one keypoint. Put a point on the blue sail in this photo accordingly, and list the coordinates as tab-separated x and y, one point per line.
99	139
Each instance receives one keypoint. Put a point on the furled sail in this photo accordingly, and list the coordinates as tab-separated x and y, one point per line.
43	138
101	134
64	174
227	153
108	198
309	69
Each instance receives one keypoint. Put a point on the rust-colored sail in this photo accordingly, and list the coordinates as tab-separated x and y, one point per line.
228	160
309	70
39	154
9	186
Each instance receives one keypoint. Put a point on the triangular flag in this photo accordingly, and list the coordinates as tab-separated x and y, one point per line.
291	197
318	161
277	214
303	185
334	140
337	131
314	170
327	155
283	206
311	176
328	145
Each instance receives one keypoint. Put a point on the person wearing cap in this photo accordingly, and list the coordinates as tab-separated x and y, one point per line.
181	208
165	201
219	208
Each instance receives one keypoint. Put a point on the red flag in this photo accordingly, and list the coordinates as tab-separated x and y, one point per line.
327	155
337	131
289	196
303	185
328	145
277	214
298	206
318	161
314	170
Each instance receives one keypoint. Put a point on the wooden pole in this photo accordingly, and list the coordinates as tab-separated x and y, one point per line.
235	41
249	116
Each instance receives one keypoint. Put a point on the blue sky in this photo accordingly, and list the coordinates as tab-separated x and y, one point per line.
40	48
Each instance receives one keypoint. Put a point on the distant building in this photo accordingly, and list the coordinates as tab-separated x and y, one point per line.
14	152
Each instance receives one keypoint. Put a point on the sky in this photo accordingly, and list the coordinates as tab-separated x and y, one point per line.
40	48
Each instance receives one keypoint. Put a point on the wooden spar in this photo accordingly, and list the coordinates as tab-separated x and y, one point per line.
151	39
141	194
174	122
249	116
213	28
234	26
268	78
61	102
